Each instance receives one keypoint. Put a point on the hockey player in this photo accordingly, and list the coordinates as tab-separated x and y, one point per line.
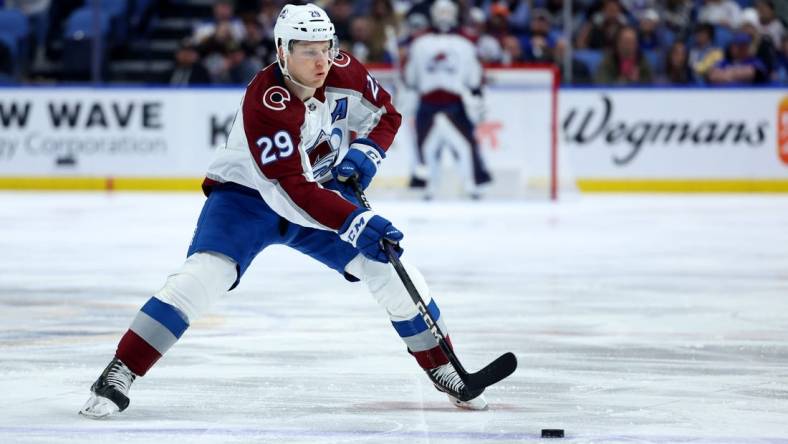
443	67
279	180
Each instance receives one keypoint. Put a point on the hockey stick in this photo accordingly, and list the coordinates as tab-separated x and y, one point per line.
495	371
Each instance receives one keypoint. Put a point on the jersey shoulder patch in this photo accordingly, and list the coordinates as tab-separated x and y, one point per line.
267	99
342	59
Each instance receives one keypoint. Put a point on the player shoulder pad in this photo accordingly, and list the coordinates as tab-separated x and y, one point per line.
271	100
347	72
473	38
412	39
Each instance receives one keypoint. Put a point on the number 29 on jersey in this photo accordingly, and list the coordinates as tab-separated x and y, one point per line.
279	147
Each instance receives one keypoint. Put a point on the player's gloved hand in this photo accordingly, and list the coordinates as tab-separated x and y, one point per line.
367	231
344	188
361	162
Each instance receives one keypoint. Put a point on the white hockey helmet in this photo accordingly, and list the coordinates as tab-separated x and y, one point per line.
303	23
444	14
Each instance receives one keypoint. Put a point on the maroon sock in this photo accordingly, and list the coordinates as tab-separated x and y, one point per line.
433	357
137	354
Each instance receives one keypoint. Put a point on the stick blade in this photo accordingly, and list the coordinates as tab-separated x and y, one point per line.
495	371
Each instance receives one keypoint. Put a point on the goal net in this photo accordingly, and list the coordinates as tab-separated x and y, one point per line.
518	137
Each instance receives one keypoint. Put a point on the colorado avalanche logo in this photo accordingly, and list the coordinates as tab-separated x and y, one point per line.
443	61
275	97
341	60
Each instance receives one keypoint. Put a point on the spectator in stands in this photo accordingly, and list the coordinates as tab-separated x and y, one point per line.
556	10
581	75
677	69
512	50
600	31
6	65
768	22
224	20
636	8
360	34
239	67
188	69
720	12
781	74
37	12
384	23
488	47
59	11
269	11
498	22
739	66
625	63
257	45
761	46
213	50
341	12
537	45
649	30
539	50
677	16
517	15
703	54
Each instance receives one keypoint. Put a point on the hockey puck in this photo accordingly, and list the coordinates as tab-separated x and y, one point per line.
552	433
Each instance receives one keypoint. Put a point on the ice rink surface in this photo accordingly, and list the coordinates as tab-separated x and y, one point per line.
634	318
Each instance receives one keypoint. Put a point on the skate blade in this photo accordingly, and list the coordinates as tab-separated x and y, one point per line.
98	407
477	403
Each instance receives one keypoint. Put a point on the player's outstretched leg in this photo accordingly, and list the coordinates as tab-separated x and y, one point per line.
203	278
388	290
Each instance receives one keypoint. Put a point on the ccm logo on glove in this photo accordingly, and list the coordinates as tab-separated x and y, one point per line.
365	230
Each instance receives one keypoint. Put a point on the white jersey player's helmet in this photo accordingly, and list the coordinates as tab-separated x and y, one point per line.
444	14
303	23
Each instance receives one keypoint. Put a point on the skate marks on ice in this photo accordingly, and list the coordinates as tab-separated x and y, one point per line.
635	319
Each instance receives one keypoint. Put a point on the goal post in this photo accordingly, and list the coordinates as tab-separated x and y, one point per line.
518	137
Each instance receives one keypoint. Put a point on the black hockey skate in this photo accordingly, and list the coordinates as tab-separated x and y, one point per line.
446	380
109	394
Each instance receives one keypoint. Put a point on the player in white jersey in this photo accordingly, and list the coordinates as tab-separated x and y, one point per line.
280	179
443	67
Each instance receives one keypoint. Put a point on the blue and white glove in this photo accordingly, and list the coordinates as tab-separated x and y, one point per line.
361	161
366	231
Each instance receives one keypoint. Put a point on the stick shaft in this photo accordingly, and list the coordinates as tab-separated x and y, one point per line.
414	294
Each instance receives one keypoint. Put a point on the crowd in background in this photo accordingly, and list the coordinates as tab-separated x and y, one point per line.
678	42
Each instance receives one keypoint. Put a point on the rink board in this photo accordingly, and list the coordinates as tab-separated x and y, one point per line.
671	140
677	139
